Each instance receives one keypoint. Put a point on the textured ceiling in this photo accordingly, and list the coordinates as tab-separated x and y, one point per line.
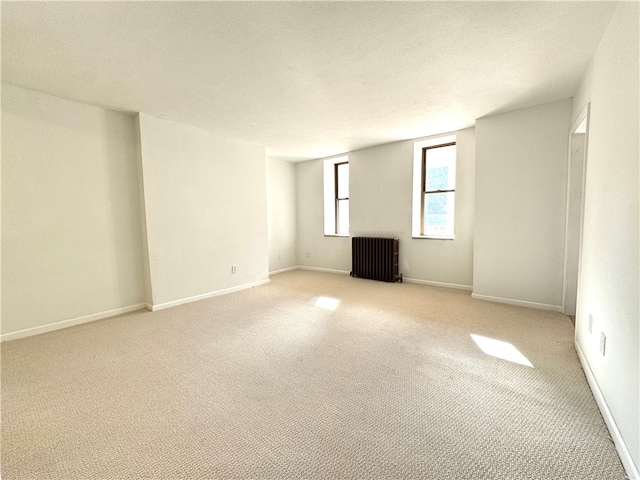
304	79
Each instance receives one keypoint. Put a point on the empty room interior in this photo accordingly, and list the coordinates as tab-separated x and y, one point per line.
320	240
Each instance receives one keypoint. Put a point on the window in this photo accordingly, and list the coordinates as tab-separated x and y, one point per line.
434	188
336	196
438	190
342	198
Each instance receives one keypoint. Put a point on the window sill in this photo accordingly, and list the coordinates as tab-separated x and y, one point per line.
425	237
336	235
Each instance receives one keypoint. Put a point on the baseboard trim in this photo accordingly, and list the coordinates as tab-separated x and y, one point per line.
50	327
519	303
325	270
456	286
405	279
282	270
625	456
224	291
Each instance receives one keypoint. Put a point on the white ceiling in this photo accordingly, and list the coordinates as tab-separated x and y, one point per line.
304	79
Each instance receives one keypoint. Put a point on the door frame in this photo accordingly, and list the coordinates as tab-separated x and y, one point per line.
584	116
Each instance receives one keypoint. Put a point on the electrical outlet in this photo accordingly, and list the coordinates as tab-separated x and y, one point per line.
603	343
234	269
308	254
590	323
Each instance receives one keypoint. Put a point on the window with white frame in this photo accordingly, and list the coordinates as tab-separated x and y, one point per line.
434	188
336	196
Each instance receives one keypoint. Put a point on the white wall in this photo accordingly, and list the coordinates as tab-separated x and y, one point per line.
71	243
314	249
205	206
281	214
609	280
521	169
380	204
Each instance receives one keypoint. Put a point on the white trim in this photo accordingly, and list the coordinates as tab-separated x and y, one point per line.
404	279
325	270
282	270
621	446
457	286
520	303
50	327
584	116
224	291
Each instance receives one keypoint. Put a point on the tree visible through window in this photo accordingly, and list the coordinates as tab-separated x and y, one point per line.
438	190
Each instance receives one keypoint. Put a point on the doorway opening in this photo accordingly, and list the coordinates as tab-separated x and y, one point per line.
576	176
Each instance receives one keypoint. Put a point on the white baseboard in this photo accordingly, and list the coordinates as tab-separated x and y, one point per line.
50	327
404	279
282	270
182	301
325	270
625	456
457	286
520	303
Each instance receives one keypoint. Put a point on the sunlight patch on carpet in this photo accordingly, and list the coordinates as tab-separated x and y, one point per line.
327	303
500	349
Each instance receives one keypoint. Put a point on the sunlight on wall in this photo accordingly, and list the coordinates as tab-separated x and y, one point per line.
327	303
499	349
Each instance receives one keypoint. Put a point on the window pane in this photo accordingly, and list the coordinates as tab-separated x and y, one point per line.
441	172
438	214
437	178
343	217
343	180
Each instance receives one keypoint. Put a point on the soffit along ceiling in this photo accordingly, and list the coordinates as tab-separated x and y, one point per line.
304	79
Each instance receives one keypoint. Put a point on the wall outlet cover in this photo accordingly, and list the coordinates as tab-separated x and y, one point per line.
603	343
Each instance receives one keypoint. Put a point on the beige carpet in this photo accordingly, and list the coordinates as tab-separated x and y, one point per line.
265	384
